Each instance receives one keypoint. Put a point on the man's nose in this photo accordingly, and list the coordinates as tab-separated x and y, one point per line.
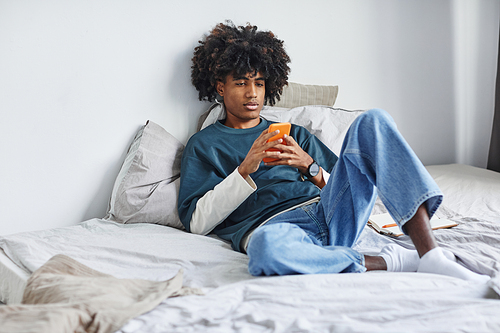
252	91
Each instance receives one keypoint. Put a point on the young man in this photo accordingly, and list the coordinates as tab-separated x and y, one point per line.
305	211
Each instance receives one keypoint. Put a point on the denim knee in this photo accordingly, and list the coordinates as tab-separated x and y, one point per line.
370	127
267	249
374	114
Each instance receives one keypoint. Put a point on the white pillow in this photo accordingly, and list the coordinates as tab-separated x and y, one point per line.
147	186
328	124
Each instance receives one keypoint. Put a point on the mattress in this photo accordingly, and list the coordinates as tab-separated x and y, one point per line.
236	301
13	280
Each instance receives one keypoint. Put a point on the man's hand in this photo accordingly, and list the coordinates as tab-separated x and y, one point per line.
290	154
293	155
258	152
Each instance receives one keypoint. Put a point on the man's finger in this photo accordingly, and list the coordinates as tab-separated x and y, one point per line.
272	144
290	141
265	136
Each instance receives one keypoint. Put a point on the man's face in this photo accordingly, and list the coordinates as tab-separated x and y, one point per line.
243	98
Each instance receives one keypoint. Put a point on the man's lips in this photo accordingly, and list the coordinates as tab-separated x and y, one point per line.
252	106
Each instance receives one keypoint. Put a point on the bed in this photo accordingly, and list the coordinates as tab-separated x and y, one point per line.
142	238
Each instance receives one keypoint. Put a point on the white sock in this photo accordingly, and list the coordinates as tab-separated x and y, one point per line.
436	262
399	259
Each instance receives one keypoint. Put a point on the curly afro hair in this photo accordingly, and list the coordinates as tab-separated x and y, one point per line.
239	50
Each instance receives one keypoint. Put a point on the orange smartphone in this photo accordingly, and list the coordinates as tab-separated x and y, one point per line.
284	129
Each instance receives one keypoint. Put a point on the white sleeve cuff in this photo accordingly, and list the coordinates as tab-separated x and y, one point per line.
217	204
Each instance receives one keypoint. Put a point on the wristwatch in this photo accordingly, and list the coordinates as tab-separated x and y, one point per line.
312	170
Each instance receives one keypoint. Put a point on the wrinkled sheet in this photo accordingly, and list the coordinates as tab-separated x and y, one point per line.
370	302
66	296
236	301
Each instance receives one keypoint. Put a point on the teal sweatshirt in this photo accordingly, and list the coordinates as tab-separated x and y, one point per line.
215	152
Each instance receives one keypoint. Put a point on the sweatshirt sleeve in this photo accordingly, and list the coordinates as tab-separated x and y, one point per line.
211	187
216	205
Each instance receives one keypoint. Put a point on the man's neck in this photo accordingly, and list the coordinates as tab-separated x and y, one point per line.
241	124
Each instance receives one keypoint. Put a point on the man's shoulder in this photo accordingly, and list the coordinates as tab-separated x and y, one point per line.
300	132
209	133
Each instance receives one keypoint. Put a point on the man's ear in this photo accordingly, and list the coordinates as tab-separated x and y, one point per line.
220	88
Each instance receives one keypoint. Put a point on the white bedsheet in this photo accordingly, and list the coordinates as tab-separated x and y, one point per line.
235	301
142	251
372	302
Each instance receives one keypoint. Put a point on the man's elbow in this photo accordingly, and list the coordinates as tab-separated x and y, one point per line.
196	228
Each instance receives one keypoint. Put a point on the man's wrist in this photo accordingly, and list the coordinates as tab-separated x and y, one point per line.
247	178
242	172
318	180
305	166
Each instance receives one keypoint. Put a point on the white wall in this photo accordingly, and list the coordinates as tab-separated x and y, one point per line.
78	78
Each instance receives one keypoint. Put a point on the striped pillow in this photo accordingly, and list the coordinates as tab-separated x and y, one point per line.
296	94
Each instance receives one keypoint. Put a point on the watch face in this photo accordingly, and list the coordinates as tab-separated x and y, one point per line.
313	169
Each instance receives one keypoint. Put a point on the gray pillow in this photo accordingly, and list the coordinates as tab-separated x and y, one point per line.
147	186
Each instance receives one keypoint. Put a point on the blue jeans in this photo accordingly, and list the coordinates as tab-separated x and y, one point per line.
318	238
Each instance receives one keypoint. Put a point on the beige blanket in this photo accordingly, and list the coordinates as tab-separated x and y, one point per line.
65	296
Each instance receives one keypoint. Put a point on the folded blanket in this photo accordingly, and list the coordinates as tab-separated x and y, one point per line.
65	296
